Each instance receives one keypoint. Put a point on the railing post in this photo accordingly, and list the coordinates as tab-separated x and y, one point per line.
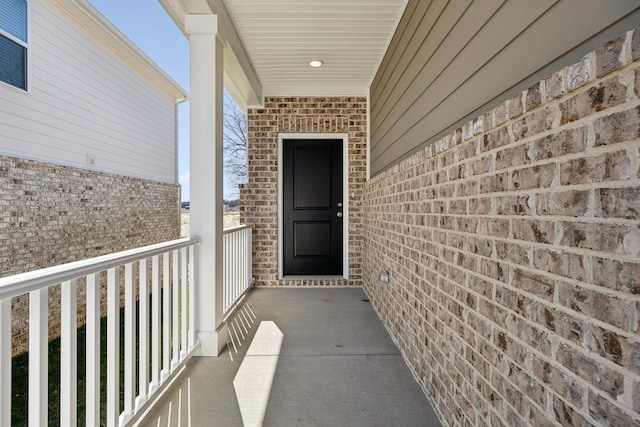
38	357
5	362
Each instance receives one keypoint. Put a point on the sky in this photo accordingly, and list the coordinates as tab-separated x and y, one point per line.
149	27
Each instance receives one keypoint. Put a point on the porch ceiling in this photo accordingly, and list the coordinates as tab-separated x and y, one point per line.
350	36
270	43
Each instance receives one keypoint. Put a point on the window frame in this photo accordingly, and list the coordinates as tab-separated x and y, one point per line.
27	46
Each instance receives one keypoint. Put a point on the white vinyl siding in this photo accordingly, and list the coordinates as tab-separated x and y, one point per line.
85	99
451	60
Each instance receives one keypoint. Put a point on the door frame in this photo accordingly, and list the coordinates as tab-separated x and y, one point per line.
345	196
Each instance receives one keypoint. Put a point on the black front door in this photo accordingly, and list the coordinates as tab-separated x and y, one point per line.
312	207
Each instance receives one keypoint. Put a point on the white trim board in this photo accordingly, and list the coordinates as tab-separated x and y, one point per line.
345	194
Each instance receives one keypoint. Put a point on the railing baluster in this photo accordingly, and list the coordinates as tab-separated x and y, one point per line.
192	314
225	271
129	339
166	314
242	242
143	339
38	357
231	275
155	324
237	265
249	256
113	347
5	362
184	308
68	353
234	265
175	305
241	257
236	278
93	350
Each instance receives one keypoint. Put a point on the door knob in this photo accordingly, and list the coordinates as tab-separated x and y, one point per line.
339	214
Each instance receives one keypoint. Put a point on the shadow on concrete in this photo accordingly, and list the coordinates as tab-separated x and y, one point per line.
310	357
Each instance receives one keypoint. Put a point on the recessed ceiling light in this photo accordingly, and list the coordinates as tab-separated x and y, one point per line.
316	63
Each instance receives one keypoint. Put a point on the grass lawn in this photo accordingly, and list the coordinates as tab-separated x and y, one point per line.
20	376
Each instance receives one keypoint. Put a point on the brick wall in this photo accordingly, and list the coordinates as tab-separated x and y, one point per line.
54	214
514	251
259	196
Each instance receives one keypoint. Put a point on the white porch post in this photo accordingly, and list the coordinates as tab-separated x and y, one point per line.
206	87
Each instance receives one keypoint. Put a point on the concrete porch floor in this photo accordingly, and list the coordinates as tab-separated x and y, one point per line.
321	357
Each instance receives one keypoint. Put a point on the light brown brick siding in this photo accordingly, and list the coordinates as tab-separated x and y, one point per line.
514	251
259	196
55	214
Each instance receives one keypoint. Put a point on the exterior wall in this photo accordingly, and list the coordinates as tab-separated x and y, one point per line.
450	61
86	99
259	196
91	92
513	245
53	214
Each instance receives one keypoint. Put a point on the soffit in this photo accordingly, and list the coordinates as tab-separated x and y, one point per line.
281	36
178	8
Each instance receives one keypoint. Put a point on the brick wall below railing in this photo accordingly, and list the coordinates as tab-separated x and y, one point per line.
514	251
55	214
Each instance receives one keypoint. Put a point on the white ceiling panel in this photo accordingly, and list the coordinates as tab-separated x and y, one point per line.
281	36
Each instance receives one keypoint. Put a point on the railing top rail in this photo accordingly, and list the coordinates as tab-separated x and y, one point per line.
237	228
19	284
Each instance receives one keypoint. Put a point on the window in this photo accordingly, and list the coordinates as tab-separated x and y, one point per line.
13	42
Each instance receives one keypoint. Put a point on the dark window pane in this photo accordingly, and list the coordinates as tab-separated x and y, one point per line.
13	63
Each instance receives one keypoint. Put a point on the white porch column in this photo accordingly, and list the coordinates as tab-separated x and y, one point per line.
206	87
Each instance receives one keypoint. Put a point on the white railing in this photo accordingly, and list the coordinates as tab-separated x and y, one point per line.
158	331
237	271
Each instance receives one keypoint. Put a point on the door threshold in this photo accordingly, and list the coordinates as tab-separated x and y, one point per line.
313	277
